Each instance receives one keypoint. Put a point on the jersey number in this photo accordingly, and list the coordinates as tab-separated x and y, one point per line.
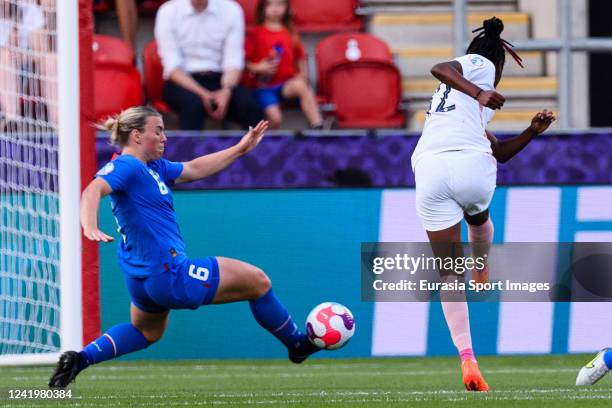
163	188
441	106
199	273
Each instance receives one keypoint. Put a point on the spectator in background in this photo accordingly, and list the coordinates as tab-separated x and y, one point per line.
276	60
201	45
44	43
127	14
18	23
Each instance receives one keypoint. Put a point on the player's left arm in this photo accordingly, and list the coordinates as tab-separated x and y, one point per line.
210	164
504	150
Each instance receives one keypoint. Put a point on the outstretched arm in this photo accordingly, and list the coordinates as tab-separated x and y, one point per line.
451	74
210	164
90	203
504	150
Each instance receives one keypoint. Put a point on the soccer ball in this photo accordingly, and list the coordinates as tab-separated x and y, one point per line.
330	325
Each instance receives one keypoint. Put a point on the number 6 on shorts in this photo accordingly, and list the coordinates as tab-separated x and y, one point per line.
200	273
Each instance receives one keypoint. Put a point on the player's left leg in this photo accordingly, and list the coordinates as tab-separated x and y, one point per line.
441	216
480	235
595	369
242	281
144	329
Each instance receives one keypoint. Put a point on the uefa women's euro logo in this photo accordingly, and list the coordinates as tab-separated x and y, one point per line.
477	61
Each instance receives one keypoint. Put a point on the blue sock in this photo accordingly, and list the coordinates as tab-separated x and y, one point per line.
118	340
608	358
272	316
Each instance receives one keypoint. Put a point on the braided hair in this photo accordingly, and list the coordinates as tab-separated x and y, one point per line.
490	45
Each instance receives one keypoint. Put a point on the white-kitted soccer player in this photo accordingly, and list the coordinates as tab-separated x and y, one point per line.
455	166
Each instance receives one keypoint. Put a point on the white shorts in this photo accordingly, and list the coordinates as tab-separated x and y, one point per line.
451	183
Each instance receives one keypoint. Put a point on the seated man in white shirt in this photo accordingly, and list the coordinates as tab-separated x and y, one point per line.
201	45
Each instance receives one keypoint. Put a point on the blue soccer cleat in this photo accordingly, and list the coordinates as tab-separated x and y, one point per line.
302	351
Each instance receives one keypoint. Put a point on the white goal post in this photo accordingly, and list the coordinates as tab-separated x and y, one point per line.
41	313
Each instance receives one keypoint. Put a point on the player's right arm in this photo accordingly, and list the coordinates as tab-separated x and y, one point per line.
451	74
90	203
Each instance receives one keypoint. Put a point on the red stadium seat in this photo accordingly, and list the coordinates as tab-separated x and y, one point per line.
248	7
366	94
117	82
107	49
153	79
325	16
346	47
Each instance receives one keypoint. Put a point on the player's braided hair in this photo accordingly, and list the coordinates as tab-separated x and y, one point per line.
490	45
120	126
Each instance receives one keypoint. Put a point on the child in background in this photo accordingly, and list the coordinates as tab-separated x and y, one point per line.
276	60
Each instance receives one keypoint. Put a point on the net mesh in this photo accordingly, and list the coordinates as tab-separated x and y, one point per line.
29	204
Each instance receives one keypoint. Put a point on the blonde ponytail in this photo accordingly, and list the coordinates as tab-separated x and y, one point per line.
120	126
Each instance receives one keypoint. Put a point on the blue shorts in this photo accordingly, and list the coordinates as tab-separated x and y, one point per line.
185	284
269	96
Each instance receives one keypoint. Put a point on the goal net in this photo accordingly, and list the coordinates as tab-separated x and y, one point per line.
40	239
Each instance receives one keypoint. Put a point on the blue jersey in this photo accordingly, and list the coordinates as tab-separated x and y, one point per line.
142	205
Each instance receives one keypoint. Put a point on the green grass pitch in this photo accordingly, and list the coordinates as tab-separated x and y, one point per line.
517	381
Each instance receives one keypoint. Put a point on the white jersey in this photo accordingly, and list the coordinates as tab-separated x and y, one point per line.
456	121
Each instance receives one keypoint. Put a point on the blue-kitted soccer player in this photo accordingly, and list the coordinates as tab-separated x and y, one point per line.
159	274
595	369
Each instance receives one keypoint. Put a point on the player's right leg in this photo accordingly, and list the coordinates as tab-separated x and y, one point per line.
595	369
144	329
242	281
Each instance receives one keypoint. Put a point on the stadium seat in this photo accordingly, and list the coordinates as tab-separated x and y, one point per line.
107	49
346	47
366	94
248	7
153	80
326	16
117	82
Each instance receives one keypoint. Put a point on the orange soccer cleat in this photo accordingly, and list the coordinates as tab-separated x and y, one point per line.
472	379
